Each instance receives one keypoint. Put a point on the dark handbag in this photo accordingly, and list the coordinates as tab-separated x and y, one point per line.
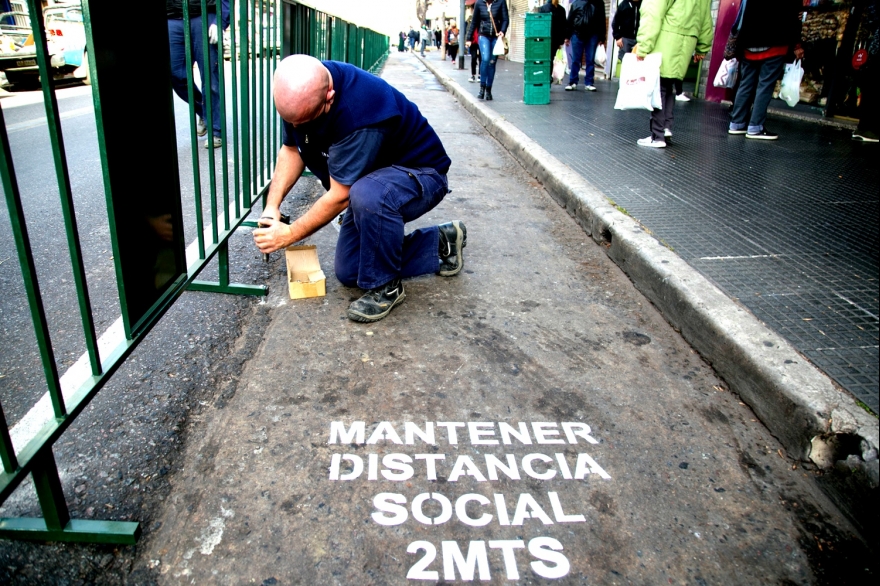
730	46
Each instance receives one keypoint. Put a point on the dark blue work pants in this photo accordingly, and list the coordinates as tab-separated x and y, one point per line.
179	65
372	248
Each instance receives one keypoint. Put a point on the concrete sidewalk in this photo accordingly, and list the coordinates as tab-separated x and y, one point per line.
534	418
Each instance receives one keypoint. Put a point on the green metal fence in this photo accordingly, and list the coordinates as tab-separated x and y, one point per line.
224	188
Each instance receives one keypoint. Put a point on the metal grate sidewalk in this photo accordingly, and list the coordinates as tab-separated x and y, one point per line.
789	228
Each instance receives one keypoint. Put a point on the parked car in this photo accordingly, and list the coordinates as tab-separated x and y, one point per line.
66	40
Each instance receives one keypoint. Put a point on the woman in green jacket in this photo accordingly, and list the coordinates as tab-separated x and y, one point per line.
680	30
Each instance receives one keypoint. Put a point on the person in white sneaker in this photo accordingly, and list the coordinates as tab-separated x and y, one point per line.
680	31
587	29
767	33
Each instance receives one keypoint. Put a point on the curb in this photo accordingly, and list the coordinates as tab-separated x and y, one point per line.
797	402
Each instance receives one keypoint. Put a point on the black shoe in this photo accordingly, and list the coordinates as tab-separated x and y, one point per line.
763	135
453	238
482	93
488	93
377	303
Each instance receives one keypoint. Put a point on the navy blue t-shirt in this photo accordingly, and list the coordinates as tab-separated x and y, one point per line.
370	126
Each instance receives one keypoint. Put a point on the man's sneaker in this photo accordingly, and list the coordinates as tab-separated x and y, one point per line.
453	238
667	133
590	88
377	303
650	142
762	135
217	142
736	131
682	98
865	136
201	127
473	79
571	87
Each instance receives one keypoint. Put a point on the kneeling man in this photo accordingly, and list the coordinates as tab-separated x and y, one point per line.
377	157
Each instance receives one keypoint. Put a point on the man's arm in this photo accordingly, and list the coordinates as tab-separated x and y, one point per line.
289	167
278	235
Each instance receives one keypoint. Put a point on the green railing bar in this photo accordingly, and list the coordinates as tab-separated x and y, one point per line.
77	531
224	134
7	450
67	209
49	491
208	96
28	269
245	131
252	102
233	51
194	139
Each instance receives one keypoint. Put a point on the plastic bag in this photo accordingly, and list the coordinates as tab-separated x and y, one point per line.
600	56
727	74
558	67
790	92
639	81
500	47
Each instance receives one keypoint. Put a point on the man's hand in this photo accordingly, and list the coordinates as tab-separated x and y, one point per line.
698	57
619	43
212	34
271	212
275	236
500	35
798	51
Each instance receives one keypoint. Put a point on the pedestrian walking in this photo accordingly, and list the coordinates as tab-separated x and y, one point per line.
411	37
768	32
424	39
438	37
587	29
625	25
177	46
377	156
452	42
680	30
558	27
490	20
401	44
473	46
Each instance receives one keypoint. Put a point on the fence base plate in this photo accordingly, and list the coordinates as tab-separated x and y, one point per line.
77	530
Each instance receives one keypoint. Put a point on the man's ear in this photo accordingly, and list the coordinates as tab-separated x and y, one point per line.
330	95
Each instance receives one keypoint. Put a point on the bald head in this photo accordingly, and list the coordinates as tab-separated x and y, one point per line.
302	89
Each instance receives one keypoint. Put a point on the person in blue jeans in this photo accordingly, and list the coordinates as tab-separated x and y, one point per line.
380	162
491	20
587	30
179	65
768	33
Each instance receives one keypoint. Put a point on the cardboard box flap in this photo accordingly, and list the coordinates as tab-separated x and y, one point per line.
304	275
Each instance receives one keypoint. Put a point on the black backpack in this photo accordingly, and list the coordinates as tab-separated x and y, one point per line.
583	16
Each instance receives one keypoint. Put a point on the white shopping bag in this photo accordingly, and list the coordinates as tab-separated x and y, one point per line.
558	67
600	56
727	73
790	92
639	80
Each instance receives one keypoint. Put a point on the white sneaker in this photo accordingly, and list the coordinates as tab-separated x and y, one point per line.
590	88
650	142
571	88
201	127
217	142
472	79
682	98
667	133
